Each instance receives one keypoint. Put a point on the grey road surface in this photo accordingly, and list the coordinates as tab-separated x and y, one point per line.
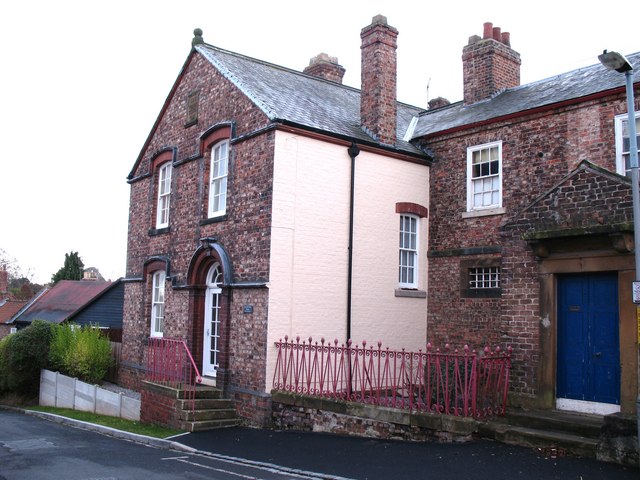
32	448
35	449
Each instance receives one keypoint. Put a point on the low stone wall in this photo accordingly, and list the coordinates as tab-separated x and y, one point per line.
297	412
618	441
57	390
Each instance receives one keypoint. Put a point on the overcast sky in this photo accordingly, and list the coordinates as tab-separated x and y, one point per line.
83	81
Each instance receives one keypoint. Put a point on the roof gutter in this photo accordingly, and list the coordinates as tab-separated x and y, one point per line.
421	157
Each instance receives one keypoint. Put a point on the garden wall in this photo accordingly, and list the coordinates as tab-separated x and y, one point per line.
298	412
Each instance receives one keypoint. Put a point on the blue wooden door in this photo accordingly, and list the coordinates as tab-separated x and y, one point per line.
588	353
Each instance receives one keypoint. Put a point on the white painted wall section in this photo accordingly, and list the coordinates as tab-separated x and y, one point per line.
309	246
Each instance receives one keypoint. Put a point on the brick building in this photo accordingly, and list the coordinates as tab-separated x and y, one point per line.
257	212
531	231
267	202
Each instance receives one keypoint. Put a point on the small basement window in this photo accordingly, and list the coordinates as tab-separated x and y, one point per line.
484	278
480	278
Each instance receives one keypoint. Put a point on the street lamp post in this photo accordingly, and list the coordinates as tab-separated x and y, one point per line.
617	62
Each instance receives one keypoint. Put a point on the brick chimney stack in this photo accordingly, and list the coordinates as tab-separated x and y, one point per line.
489	64
378	109
4	282
324	66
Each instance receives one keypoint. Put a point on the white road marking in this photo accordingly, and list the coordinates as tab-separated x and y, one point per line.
275	469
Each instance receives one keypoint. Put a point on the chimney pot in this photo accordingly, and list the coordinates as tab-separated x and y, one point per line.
488	30
438	102
489	66
474	39
379	20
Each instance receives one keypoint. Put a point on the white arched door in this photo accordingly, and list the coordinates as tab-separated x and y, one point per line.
211	342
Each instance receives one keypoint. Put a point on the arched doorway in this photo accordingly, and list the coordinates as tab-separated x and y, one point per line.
209	280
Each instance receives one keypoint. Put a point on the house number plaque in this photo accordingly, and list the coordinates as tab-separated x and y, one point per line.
635	290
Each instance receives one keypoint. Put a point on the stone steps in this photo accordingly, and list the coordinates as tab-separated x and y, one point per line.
203	425
207	411
553	432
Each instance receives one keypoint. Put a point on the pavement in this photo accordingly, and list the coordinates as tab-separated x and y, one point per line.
343	457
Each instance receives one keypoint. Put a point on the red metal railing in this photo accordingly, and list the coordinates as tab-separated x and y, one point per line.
170	363
454	383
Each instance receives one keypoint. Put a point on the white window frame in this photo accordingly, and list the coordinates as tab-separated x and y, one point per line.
218	174
493	178
484	278
409	240
620	127
157	303
164	195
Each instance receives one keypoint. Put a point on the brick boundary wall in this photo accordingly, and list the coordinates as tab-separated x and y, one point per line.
253	408
159	406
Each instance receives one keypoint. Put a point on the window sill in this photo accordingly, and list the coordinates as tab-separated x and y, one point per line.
484	213
481	293
158	231
207	221
402	292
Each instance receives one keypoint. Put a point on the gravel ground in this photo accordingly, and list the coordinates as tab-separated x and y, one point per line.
118	389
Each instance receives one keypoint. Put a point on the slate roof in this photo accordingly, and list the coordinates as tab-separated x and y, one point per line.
291	96
561	88
62	300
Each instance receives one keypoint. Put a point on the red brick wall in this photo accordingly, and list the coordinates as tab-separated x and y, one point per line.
244	233
159	409
538	151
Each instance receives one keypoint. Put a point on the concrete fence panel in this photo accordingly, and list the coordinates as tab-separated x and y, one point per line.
108	403
47	388
57	390
65	391
84	397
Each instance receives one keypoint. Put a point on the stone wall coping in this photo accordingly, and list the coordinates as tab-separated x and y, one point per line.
433	421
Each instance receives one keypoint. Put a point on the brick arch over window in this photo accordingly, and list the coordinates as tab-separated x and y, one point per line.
412	209
209	252
216	133
162	156
153	264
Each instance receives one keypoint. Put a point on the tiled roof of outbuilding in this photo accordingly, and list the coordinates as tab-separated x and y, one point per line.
61	301
311	102
9	308
561	88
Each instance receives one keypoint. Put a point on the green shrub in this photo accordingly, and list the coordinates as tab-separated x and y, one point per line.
62	341
4	363
89	355
24	354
